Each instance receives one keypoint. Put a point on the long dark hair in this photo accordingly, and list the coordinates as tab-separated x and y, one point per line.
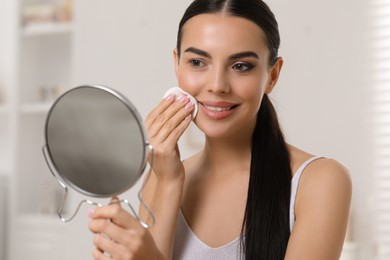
265	230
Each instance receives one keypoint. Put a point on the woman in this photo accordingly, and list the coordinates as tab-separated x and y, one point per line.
238	197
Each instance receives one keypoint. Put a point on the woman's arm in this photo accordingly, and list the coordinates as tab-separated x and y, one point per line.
164	189
321	210
164	200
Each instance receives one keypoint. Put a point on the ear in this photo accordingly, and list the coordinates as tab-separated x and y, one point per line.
274	75
176	61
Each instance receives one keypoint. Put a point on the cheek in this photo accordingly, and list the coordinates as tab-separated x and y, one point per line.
251	90
190	82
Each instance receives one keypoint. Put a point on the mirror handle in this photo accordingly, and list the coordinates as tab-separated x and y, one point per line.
56	176
60	213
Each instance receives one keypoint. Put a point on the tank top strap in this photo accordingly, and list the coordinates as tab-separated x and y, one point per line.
294	188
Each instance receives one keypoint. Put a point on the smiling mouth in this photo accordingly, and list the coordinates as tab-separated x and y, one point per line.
218	109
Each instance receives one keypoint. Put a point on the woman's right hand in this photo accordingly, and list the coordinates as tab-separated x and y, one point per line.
165	124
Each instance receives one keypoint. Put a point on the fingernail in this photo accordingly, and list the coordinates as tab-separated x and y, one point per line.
183	99
90	212
169	97
189	106
188	117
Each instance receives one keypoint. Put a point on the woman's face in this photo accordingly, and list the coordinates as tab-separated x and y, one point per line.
224	64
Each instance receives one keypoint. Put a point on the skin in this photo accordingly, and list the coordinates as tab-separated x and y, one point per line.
223	62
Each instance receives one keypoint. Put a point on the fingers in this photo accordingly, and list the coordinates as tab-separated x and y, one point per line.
99	255
107	248
116	214
103	246
118	235
110	229
117	232
171	132
159	109
136	247
165	122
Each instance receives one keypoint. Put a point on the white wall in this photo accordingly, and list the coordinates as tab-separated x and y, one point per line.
127	45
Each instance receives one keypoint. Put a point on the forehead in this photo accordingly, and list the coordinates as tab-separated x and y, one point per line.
223	32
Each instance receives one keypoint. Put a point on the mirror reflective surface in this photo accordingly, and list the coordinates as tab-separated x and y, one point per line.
95	141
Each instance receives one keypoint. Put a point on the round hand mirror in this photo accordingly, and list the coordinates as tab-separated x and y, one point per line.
95	143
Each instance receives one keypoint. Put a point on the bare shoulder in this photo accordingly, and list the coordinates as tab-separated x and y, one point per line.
323	169
327	173
325	183
321	211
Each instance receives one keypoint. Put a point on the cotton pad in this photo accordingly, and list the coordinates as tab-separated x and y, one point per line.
178	92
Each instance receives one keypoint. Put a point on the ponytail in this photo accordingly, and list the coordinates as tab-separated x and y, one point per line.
265	230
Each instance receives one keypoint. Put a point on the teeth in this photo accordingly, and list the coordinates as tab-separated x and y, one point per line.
218	109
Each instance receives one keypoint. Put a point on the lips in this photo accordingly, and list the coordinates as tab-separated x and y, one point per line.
218	110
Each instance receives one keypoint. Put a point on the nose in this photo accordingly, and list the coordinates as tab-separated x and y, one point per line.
219	82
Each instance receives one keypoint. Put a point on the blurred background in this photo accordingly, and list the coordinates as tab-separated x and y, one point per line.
333	100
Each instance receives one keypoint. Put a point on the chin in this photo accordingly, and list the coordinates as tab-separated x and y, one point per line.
215	131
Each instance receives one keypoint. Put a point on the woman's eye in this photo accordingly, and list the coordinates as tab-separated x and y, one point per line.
242	66
196	63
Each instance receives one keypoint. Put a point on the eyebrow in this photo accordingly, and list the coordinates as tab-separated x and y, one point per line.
244	54
198	52
239	55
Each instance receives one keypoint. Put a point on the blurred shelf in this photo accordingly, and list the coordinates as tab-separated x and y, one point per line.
46	28
36	108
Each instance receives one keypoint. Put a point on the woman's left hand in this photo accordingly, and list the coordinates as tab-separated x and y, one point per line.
118	235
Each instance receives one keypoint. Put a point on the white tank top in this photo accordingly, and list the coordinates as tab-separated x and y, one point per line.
188	246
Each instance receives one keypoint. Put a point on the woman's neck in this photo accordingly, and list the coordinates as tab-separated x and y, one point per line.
226	155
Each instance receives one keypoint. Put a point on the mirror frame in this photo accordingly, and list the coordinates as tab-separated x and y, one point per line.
148	151
137	117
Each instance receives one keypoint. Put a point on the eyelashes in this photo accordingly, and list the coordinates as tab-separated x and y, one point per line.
196	63
238	66
243	66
